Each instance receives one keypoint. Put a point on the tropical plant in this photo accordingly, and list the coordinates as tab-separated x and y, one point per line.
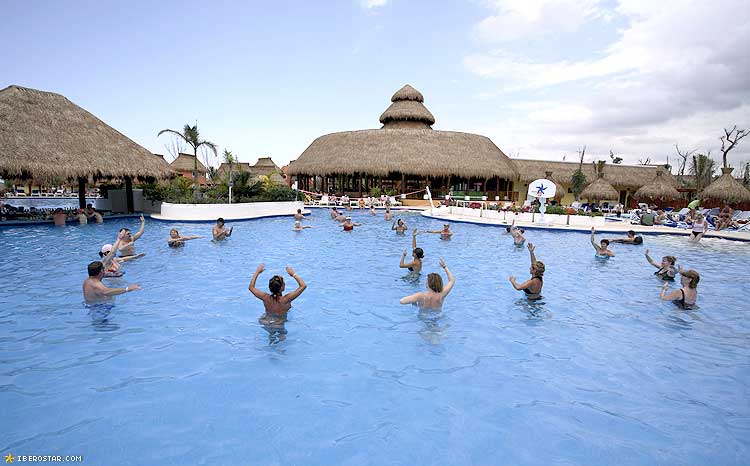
702	167
191	136
375	192
578	180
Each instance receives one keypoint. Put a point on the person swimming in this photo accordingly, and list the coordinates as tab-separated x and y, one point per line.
445	233
417	255
602	250
298	216
220	232
127	247
399	226
687	295
94	291
110	261
298	226
175	240
533	286
348	225
276	304
436	293
632	238
666	268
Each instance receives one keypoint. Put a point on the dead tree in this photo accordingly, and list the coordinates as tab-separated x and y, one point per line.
729	140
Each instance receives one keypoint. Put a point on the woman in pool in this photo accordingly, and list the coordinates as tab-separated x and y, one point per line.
334	214
687	295
348	225
445	233
276	304
533	286
372	209
666	270
435	295
699	228
417	255
298	226
388	216
399	226
632	238
175	240
602	249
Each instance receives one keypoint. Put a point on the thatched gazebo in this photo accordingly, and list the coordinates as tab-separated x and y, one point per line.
726	190
600	190
658	191
404	154
43	135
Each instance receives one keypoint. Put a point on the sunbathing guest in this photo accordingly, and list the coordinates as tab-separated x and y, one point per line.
700	226
435	295
687	295
661	218
399	226
602	250
388	216
276	304
94	291
666	267
533	286
445	233
632	238
348	225
220	232
417	255
127	247
298	226
725	218
361	203
175	240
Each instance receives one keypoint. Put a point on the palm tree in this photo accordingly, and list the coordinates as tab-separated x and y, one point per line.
229	160
702	166
191	136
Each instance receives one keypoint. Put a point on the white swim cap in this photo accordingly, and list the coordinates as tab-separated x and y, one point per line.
106	248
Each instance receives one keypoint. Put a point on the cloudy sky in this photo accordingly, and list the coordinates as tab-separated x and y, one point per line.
541	78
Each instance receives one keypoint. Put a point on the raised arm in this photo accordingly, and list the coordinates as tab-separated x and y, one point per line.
531	253
651	261
393	226
301	285
404	265
451	279
140	230
256	292
414	238
593	239
671	296
111	254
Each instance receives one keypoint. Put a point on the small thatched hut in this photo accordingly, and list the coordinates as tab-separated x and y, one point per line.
726	190
43	135
659	191
405	154
183	166
600	190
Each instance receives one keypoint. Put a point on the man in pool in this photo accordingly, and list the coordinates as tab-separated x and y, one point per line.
176	240
220	232
417	255
59	217
94	291
388	216
435	295
601	248
445	233
92	214
298	226
298	216
127	247
632	238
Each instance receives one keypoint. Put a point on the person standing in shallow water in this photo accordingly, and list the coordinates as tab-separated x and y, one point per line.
276	304
687	295
601	248
94	291
435	295
220	232
417	255
533	286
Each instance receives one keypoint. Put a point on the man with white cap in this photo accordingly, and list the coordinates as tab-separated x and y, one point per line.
298	226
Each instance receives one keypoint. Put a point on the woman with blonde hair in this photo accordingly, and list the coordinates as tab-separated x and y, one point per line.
533	286
435	295
686	296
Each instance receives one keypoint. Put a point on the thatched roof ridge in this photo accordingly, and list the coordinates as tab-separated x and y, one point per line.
265	163
407	93
410	151
185	162
600	190
407	110
659	189
45	135
726	189
623	176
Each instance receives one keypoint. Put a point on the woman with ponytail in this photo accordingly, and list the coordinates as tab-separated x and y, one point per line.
277	304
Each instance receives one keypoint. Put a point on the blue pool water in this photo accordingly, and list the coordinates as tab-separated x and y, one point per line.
181	372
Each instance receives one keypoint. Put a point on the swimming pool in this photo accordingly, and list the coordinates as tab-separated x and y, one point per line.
181	372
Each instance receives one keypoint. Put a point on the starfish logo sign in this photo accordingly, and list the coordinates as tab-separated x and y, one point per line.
9	458
540	190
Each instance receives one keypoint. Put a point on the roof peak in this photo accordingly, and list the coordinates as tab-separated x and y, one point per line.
407	93
407	111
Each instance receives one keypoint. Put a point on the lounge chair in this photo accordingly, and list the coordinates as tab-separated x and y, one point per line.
322	201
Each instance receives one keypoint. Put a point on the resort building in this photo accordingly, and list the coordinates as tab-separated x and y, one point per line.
184	164
404	156
263	167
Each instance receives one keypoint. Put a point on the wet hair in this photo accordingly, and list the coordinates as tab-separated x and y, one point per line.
101	254
507	229
275	284
671	259
88	206
605	242
539	267
95	268
419	252
299	211
400	221
693	276
631	233
521	230
220	220
435	282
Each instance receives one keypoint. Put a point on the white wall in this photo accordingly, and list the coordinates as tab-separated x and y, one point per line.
507	217
227	211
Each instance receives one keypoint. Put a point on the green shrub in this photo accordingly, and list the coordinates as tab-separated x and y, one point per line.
375	192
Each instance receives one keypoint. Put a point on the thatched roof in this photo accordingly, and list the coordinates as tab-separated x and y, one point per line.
409	151
185	163
658	190
600	190
236	167
265	164
726	189
623	176
44	135
559	188
405	144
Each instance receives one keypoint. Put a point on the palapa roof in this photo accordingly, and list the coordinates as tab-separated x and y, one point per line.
265	164
559	188
405	144
623	176
236	167
185	163
659	189
726	189
45	135
600	190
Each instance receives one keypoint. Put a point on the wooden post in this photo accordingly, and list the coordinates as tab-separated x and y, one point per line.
129	193
402	189
81	192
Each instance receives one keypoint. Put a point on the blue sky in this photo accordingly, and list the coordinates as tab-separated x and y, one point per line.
540	77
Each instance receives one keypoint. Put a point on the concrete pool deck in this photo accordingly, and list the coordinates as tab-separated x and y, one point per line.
583	224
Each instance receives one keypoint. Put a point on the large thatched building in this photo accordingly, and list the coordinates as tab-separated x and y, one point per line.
44	136
404	155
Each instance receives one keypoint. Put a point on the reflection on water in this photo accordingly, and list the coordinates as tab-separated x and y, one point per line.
534	310
275	326
100	317
432	332
411	278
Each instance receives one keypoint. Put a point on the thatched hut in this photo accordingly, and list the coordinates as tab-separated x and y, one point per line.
600	190
726	190
659	191
43	136
184	164
405	154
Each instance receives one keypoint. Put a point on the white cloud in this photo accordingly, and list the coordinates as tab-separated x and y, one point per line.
372	4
